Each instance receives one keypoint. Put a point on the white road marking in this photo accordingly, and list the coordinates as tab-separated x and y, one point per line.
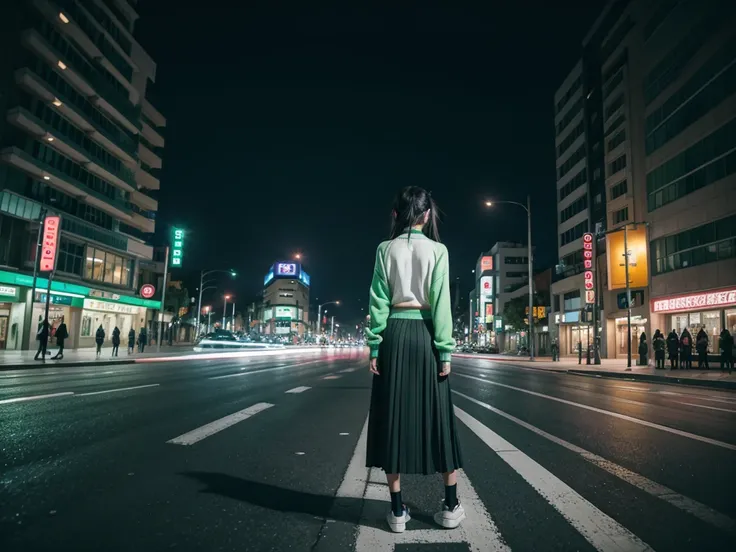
300	453
600	530
708	407
478	530
331	377
347	370
301	389
631	388
36	397
697	509
672	430
116	390
210	429
342	434
698	397
262	370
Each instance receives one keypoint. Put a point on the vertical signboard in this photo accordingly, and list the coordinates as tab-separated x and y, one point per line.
589	268
636	241
177	247
50	243
486	263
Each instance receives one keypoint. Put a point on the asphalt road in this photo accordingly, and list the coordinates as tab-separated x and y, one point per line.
265	454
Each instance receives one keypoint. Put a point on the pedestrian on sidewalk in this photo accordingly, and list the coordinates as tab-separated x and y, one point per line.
686	350
673	348
42	336
726	346
115	341
643	350
131	340
99	339
61	334
411	428
555	350
142	340
701	346
658	344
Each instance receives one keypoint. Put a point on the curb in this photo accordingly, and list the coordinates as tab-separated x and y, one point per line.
51	364
715	384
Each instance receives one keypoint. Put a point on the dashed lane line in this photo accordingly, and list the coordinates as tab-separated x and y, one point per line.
697	509
300	389
36	397
709	407
207	430
117	390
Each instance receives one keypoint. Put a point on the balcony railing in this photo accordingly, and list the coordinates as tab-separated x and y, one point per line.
76	62
70	133
66	93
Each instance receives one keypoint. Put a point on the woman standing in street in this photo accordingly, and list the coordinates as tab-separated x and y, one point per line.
411	428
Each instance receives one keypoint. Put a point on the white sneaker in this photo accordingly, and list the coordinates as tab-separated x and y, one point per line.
398	523
449	519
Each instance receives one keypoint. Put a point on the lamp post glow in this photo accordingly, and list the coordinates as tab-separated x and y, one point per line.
202	274
319	314
224	312
528	209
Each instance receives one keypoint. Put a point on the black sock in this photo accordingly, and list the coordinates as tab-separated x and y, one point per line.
451	496
397	506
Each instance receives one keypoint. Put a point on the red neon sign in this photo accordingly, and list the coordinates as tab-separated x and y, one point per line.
589	274
683	303
49	244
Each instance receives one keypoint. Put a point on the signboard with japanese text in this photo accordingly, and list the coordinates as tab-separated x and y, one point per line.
285	313
683	303
49	243
589	267
486	286
489	313
93	304
177	247
486	263
636	240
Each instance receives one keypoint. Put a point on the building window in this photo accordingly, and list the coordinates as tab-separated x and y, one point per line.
617	164
70	258
619	189
570	115
571	300
709	86
570	138
516	274
103	266
573	160
622	215
574	87
576	181
614	105
574	233
516	260
617	140
703	163
574	208
704	244
664	9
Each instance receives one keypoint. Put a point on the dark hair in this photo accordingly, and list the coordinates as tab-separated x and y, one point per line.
409	207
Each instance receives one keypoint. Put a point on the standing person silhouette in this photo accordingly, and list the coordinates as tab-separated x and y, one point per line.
411	428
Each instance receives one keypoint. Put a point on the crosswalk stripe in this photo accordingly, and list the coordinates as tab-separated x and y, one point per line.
600	530
672	430
210	429
697	509
478	531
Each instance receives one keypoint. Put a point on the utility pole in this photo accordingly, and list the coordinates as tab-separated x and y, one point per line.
628	300
163	301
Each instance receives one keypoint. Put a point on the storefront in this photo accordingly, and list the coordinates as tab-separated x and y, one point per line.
83	309
12	314
712	311
573	332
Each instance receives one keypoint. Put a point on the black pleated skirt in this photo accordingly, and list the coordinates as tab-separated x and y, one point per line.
411	427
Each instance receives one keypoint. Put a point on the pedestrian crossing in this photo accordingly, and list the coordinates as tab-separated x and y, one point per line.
594	523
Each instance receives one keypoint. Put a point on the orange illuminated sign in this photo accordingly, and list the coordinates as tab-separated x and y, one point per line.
49	244
486	263
636	240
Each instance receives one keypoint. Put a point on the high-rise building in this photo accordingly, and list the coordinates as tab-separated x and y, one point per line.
78	138
648	116
285	308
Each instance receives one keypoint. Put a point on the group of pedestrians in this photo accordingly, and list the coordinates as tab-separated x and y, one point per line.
142	340
62	333
680	349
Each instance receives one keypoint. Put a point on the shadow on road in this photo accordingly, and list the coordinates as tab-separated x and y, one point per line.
349	510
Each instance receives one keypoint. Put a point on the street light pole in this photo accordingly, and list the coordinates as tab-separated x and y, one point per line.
628	300
233	323
202	274
319	314
163	301
224	312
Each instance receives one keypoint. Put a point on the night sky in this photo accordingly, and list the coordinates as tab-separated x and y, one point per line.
291	127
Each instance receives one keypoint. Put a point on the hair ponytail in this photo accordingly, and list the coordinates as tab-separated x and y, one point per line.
409	210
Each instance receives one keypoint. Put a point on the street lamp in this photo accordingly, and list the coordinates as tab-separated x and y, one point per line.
202	288
224	311
528	209
319	314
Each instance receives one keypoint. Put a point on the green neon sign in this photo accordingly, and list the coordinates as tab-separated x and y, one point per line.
177	247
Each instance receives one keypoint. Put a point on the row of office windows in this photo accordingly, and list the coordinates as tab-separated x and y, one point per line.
570	138
107	23
614	105
574	87
516	274
580	204
574	233
714	82
570	115
704	244
617	140
622	215
617	164
617	37
576	181
40	191
619	189
516	260
705	162
571	161
109	268
658	17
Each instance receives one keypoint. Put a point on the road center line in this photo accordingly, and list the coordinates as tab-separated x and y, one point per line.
672	430
600	530
262	370
116	390
697	509
210	429
479	531
709	407
36	397
300	389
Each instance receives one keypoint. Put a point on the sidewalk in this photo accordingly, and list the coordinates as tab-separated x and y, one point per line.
616	368
14	360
